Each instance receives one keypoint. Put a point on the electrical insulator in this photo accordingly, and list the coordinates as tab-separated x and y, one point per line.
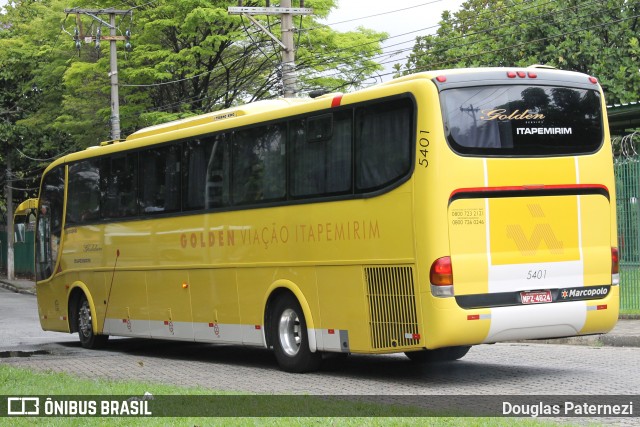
76	38
127	38
98	37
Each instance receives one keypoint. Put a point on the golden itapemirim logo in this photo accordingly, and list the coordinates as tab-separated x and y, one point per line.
501	114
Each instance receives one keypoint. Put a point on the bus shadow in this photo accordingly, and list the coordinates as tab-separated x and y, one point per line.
394	368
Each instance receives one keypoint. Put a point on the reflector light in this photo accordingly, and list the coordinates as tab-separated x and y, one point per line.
532	75
615	261
336	101
511	74
593	80
441	79
602	307
521	74
441	273
615	267
473	317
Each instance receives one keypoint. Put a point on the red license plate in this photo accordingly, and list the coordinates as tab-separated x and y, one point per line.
537	297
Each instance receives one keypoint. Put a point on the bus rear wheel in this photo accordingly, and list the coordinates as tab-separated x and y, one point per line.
445	354
88	338
290	337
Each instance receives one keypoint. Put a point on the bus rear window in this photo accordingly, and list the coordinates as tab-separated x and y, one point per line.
519	120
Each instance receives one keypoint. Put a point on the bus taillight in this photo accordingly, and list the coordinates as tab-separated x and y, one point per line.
441	277
615	267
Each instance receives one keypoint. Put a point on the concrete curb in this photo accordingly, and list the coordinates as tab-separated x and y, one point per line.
604	340
12	288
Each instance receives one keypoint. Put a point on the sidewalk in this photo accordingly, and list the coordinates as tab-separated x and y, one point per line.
21	286
625	334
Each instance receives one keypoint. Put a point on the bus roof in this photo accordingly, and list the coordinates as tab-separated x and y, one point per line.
228	113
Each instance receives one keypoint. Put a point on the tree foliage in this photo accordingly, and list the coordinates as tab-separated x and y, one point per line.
191	57
22	95
597	37
188	57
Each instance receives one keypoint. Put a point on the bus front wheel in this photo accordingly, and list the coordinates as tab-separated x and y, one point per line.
290	337
445	354
88	338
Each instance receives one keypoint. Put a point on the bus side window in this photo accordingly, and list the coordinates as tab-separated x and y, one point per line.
321	160
206	173
319	128
83	198
160	179
259	167
383	143
119	176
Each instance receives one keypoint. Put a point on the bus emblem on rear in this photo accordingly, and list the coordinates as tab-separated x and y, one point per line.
528	246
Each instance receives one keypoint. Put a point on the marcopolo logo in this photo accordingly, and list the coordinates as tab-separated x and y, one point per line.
584	293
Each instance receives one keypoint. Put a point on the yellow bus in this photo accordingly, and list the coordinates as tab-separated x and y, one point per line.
424	215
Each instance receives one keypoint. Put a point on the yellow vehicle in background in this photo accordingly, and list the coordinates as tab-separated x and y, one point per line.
424	215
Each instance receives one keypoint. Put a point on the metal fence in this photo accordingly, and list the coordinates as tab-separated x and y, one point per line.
23	253
627	172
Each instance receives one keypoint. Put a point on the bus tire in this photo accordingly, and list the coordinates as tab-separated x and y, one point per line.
88	338
445	354
290	338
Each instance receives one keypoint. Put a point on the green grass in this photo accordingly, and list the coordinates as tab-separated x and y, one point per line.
21	382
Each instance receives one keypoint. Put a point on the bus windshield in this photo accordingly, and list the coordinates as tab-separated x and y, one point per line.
522	120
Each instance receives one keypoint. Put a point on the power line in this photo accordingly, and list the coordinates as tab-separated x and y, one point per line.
444	42
539	16
383	13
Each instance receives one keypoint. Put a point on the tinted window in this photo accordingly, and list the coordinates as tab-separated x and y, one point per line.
83	198
160	179
207	171
522	120
383	143
259	167
321	165
119	185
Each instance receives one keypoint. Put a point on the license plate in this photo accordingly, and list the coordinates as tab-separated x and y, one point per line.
537	297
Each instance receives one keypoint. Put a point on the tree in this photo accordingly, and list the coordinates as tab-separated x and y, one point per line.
597	37
191	57
21	96
188	57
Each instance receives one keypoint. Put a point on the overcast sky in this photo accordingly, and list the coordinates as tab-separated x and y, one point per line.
403	20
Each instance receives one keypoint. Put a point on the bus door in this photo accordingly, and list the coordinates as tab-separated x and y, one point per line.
48	234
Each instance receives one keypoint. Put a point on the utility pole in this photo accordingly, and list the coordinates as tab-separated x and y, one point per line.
10	233
286	12
113	72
